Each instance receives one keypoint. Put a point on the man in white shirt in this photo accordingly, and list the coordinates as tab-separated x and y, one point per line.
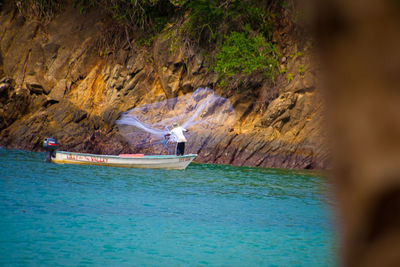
177	133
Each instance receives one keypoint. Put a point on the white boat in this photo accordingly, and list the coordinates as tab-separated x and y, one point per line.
125	160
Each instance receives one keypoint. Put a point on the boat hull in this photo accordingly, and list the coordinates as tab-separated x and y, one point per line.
143	162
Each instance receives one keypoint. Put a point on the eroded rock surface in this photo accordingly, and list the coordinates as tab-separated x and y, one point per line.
55	83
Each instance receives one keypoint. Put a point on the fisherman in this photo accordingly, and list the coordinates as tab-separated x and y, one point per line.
177	132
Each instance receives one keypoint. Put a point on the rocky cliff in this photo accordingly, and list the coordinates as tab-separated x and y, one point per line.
55	81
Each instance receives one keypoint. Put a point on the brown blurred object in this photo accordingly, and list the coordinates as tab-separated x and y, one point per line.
359	48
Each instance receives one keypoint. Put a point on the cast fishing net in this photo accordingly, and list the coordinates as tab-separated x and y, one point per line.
206	116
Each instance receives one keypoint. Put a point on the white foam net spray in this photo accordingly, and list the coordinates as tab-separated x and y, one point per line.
204	114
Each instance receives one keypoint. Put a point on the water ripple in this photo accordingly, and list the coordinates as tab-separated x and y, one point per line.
206	215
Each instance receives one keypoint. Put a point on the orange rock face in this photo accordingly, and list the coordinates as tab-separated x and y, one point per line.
56	82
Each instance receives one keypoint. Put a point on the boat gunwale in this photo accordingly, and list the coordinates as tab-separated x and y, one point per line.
119	157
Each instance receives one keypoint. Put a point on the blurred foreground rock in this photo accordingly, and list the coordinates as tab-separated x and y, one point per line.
359	45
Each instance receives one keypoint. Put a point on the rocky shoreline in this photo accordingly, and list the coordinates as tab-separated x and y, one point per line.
55	83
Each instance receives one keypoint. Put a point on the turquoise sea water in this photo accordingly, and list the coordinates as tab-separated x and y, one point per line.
206	215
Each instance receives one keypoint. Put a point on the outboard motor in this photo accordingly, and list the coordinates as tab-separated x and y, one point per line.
50	145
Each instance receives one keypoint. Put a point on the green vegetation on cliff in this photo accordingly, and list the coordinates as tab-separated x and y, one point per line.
241	53
44	9
237	33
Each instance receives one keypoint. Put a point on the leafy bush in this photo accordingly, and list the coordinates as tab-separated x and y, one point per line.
260	20
301	70
289	77
208	19
243	54
141	13
203	20
84	5
44	9
240	30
